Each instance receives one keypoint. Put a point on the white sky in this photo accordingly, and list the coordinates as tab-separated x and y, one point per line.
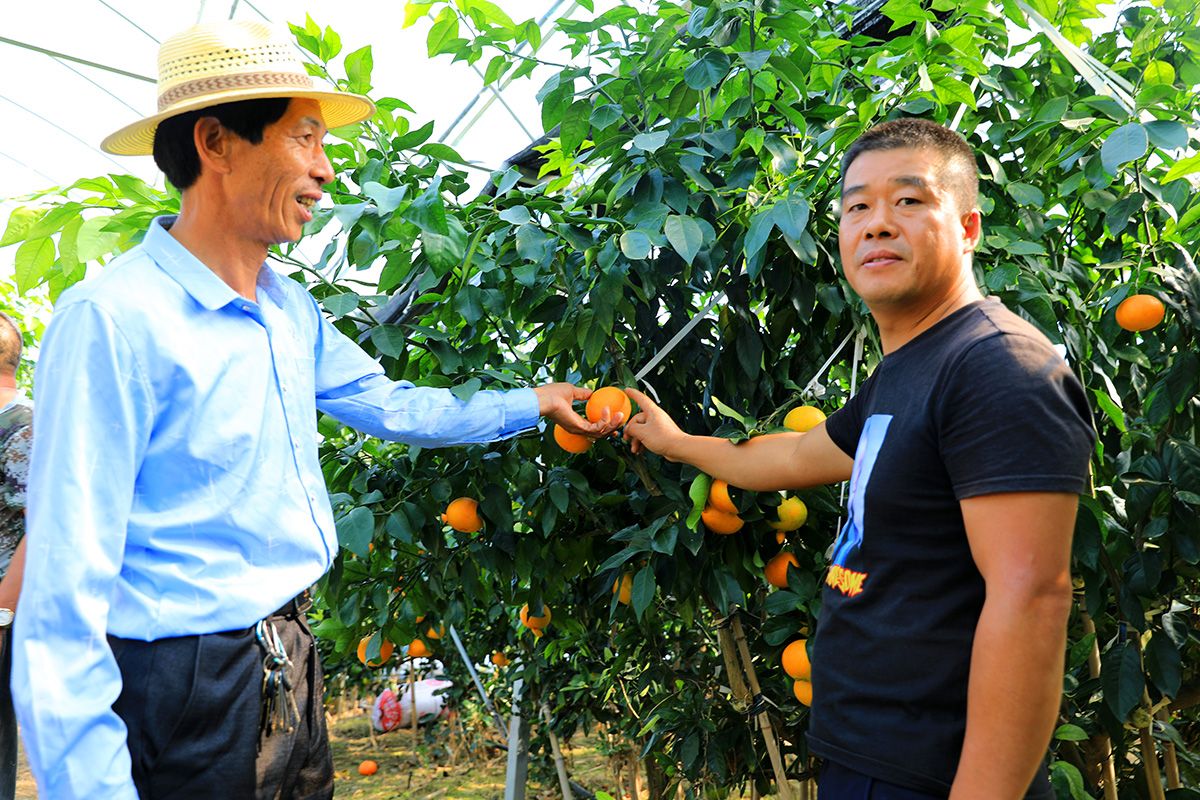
56	112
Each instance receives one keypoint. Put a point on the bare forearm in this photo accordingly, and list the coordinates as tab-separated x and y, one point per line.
1013	696
10	587
764	463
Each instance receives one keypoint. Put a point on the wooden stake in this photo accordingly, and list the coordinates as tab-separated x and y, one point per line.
737	682
1109	769
1150	764
1170	758
764	719
412	698
631	775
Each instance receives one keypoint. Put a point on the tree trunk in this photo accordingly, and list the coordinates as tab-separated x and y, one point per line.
656	779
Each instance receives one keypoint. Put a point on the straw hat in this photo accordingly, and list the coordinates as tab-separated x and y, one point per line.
223	62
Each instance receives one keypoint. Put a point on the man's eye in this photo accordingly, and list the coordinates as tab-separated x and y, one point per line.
906	201
857	207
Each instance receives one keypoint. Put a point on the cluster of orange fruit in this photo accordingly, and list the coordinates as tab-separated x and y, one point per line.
417	648
799	669
612	398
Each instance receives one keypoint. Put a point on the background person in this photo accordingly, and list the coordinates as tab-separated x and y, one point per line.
178	505
937	663
16	435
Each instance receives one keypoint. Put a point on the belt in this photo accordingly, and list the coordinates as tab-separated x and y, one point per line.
294	607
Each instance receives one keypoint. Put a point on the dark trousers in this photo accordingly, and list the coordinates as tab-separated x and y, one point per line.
837	782
8	721
191	705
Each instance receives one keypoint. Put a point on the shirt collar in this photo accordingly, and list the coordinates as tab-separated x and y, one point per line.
196	279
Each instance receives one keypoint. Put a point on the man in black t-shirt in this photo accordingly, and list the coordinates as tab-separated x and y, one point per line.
938	657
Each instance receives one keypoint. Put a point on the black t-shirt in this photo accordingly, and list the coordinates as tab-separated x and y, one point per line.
978	404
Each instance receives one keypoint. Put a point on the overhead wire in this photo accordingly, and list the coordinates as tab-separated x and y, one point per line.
131	22
21	163
233	9
76	59
58	127
97	85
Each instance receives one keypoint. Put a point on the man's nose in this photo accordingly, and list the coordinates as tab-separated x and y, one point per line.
322	170
880	223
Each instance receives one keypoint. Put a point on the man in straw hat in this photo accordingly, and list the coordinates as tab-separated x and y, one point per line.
177	503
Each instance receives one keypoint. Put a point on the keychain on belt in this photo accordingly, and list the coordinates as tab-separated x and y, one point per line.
277	696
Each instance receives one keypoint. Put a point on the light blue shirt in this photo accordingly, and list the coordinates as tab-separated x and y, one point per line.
175	486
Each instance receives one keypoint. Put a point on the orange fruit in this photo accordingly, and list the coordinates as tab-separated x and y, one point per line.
463	515
780	537
792	515
611	397
718	521
368	768
718	497
571	442
625	591
499	659
435	633
803	692
385	651
795	660
804	418
537	632
776	569
537	623
1140	312
418	649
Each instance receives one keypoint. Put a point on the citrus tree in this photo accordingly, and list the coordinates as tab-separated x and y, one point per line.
692	155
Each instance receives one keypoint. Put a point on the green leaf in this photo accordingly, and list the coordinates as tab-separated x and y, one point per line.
761	225
442	152
707	71
389	340
643	590
443	34
469	303
414	138
729	412
428	211
1110	409
33	260
790	215
635	245
93	242
575	125
1127	143
465	391
904	12
950	90
1122	680
651	141
1070	733
698	494
605	115
386	200
1067	781
532	243
1158	73
1167	134
685	235
339	305
1026	194
1183	167
515	215
354	531
1164	664
445	252
19	221
358	69
415	10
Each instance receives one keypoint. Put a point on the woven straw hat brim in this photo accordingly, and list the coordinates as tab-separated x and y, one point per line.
338	109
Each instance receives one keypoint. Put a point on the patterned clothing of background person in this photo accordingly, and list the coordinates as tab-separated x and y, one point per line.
16	434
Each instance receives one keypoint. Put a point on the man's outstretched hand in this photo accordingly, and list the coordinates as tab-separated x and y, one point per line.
652	428
554	403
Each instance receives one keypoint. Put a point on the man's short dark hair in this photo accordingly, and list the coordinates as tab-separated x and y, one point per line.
10	345
175	150
959	170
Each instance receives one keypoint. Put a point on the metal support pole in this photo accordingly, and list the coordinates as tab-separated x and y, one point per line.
517	770
487	701
564	782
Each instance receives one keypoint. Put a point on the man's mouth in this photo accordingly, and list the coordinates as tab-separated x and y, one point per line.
880	258
308	202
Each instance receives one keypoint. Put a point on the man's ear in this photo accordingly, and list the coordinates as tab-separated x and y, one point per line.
972	223
214	143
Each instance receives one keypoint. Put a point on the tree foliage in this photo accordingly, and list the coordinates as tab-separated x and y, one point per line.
693	154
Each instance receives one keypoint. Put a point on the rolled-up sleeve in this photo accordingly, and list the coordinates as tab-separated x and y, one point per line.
92	417
351	387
